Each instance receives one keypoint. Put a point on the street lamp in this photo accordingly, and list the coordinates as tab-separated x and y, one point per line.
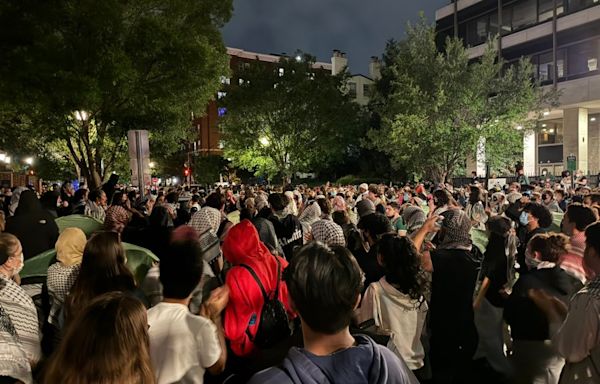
7	159
29	160
152	164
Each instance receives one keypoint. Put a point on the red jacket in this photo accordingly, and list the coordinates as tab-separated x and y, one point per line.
243	246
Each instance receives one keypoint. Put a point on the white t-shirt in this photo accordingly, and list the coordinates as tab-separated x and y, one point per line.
182	345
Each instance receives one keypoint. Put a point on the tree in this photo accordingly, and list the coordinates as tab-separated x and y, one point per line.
288	118
85	72
437	106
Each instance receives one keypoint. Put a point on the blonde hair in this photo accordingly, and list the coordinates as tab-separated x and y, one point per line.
107	343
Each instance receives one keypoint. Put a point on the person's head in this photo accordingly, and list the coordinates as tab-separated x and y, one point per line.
364	208
328	232
324	284
68	188
81	195
172	198
278	201
119	198
548	247
535	216
475	195
547	196
402	264
325	205
98	196
103	269
591	255
559	195
373	192
117	218
441	197
413	217
577	218
69	246
11	255
364	187
373	226
107	343
181	270
159	218
215	200
455	231
341	218
498	226
392	210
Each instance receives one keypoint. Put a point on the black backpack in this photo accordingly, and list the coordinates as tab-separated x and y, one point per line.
274	324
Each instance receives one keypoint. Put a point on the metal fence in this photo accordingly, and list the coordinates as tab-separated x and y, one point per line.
592	180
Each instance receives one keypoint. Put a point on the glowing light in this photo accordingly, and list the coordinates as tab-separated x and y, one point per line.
546	113
519	127
264	141
81	115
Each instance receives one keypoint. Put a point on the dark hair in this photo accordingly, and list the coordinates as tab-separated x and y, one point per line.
215	200
103	269
80	194
195	198
402	265
592	236
540	212
324	284
375	224
551	246
95	195
181	270
580	215
594	197
325	205
443	197
278	201
246	213
499	226
341	218
118	199
475	195
172	198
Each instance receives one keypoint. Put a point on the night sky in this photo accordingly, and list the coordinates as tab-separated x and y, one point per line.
358	27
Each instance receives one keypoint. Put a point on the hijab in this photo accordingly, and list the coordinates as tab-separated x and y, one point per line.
69	246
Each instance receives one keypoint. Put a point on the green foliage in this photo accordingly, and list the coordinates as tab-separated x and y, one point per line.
134	64
207	169
436	106
298	120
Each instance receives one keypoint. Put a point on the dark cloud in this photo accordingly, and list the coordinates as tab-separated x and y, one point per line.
358	27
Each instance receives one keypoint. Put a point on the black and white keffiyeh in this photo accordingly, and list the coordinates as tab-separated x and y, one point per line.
60	280
328	232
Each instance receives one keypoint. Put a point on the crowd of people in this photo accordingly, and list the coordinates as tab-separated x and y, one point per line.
329	284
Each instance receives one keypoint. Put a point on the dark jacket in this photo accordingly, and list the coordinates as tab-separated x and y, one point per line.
289	233
34	226
367	362
526	320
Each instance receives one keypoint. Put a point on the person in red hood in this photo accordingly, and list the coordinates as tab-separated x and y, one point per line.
242	315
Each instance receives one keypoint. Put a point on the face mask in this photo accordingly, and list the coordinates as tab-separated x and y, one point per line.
406	197
524	218
530	261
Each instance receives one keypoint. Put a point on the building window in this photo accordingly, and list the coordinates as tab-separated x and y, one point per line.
524	14
225	80
576	5
368	90
281	72
352	90
583	57
550	132
221	95
545	9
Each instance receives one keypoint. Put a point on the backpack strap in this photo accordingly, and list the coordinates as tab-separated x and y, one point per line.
262	289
